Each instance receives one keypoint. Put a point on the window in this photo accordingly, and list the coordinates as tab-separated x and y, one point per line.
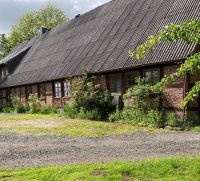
66	89
115	83
130	78
42	90
153	75
57	89
28	91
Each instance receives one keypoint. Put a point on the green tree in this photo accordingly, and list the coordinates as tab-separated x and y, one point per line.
3	46
29	24
188	32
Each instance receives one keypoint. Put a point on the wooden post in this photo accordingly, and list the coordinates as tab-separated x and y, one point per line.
185	90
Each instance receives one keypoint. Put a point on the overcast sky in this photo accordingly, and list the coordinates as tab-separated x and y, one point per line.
11	10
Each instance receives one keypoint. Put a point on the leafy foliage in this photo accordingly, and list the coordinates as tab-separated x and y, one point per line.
33	103
188	32
3	46
139	109
30	23
47	109
88	97
18	107
138	95
70	111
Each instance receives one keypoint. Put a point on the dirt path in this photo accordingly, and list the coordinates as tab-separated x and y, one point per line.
21	151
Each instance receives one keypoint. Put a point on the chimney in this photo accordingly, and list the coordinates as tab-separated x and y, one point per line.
43	30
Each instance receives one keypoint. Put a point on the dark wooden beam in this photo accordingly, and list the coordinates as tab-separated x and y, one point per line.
45	92
185	90
123	89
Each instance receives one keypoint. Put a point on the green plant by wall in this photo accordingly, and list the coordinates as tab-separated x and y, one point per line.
15	103
138	95
70	111
89	97
47	109
33	103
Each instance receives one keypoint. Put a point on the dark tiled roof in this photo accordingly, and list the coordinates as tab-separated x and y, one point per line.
100	40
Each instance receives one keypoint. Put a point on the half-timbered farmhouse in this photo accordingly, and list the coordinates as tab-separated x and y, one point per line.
100	41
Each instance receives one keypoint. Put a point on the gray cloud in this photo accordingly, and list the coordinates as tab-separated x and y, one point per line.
11	10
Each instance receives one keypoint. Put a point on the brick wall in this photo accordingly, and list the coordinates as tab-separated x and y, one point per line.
49	94
57	102
174	92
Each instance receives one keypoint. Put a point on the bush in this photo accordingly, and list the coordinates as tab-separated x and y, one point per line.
15	103
7	109
54	110
151	118
138	95
86	115
139	109
22	109
33	104
171	120
115	116
47	109
18	107
91	98
70	111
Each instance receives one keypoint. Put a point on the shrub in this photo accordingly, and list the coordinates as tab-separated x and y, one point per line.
15	103
83	114
89	115
171	119
139	109
7	109
34	104
47	109
151	118
22	108
115	116
91	98
54	110
18	107
138	95
70	111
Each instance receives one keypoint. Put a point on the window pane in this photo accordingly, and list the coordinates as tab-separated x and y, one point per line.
130	78
115	83
28	91
57	89
156	73
153	75
42	90
148	74
66	89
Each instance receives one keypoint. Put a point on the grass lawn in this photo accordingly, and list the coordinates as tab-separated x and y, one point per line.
60	126
173	169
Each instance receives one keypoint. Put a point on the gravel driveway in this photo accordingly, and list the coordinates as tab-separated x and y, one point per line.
19	151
